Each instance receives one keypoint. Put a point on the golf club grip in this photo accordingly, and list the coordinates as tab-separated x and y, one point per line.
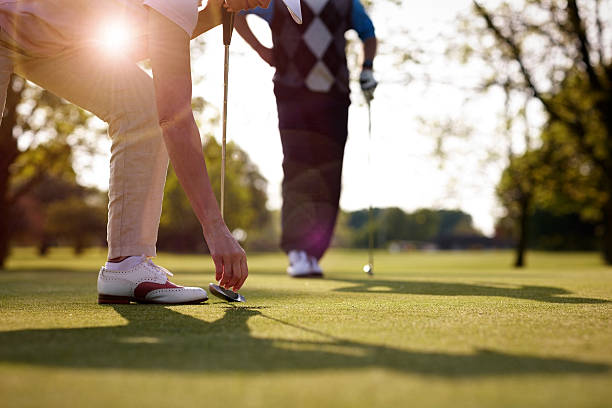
228	26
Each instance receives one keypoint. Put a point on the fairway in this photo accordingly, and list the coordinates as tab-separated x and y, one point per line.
428	330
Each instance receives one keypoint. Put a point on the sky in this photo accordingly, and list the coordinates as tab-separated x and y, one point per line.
402	171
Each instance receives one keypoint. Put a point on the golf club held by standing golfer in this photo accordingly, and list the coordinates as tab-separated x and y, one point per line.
368	83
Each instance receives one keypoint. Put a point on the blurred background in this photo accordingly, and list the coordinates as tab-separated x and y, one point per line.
491	128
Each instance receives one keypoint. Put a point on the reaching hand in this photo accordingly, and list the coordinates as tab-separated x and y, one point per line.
231	268
368	84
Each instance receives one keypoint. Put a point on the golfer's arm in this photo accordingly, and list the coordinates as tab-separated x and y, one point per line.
369	48
208	18
242	27
169	49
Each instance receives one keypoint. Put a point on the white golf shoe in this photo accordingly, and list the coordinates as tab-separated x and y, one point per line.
144	283
302	265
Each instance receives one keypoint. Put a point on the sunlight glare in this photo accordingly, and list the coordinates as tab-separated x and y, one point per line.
115	38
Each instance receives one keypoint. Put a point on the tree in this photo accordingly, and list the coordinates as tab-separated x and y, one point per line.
245	201
76	221
37	137
554	54
548	231
245	187
557	178
556	48
60	211
516	191
393	224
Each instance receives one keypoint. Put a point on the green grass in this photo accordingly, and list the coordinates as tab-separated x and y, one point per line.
429	330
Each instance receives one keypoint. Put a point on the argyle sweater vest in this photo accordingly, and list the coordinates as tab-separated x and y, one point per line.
312	55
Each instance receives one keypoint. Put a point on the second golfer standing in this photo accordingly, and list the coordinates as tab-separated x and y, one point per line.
311	85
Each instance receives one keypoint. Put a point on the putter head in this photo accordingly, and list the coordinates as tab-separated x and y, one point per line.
368	269
295	9
225	294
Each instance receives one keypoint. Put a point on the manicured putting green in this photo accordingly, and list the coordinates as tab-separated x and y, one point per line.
428	330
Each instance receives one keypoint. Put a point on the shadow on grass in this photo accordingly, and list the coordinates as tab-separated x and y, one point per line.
547	294
158	338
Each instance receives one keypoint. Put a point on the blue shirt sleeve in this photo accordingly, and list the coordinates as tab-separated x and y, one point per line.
361	22
265	13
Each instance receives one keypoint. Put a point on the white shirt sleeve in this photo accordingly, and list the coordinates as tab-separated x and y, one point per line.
184	13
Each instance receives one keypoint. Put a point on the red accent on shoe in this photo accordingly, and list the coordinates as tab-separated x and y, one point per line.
144	288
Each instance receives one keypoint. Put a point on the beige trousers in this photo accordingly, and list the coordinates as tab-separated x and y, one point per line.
121	94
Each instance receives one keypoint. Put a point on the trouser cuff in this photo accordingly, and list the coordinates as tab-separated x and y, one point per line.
132	250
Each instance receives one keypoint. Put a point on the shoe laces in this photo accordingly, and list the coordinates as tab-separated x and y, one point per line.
161	269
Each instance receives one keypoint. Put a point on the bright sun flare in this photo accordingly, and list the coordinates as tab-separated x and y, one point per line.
115	37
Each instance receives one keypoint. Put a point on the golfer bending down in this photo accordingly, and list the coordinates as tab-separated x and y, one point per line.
58	44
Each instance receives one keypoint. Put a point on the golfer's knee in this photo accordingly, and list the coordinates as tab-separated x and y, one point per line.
135	126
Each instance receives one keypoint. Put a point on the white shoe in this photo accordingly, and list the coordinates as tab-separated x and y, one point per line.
144	283
302	265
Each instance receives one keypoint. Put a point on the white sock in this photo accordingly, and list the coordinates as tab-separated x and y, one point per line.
125	265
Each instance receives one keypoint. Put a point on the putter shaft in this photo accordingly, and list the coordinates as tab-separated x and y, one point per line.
224	137
370	210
